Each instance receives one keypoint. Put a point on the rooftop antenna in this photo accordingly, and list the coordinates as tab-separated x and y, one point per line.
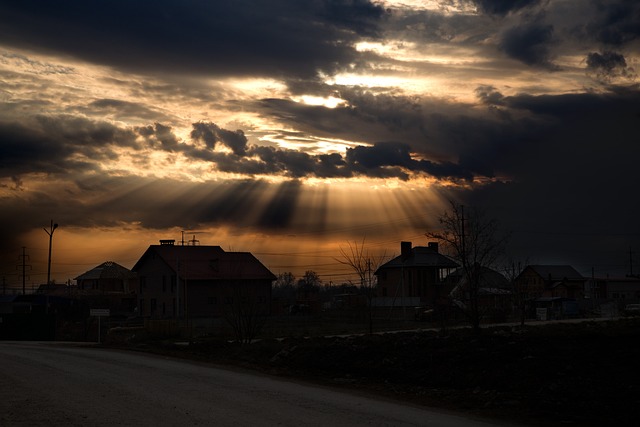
193	241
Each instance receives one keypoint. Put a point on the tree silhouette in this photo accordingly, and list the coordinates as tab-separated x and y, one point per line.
357	257
476	243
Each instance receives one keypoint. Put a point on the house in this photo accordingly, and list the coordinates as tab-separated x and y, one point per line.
550	281
108	277
109	285
494	291
623	290
415	278
178	281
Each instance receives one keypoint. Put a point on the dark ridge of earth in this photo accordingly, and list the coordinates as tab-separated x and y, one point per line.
583	374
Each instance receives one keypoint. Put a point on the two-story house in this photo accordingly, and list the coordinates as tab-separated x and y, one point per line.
550	281
177	281
108	285
415	278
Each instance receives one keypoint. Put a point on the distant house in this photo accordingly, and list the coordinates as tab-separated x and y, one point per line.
550	281
109	285
494	291
622	289
415	278
176	281
108	277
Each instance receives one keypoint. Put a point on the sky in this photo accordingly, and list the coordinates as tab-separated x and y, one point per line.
291	129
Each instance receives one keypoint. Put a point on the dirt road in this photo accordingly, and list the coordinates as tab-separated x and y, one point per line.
56	384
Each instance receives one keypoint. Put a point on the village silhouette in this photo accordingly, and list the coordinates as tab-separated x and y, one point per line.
188	289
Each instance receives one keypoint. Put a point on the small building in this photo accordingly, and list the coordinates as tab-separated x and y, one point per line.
178	281
624	289
494	291
109	285
108	277
415	278
553	281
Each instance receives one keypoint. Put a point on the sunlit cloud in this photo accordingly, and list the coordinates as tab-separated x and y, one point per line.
329	102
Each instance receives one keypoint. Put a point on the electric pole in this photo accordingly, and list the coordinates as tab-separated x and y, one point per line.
24	265
52	228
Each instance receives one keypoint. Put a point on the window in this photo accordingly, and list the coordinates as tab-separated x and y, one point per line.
164	309
228	300
141	305
212	300
143	283
173	284
154	306
164	283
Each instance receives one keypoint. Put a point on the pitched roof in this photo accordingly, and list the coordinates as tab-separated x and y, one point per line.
107	270
420	256
556	272
489	278
208	263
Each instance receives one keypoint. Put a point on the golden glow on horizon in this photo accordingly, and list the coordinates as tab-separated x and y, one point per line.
324	218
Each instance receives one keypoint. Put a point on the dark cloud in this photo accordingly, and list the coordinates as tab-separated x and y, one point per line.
616	22
529	43
489	95
395	159
160	136
503	7
608	65
571	196
211	134
227	37
381	154
48	144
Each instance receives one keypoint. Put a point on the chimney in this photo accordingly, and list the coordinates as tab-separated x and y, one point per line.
405	250
167	242
433	246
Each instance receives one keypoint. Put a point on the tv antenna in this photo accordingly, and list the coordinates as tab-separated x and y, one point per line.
193	241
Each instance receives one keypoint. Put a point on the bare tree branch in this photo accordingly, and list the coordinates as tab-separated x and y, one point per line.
476	243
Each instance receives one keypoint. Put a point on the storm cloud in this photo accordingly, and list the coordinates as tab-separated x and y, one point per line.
530	43
237	37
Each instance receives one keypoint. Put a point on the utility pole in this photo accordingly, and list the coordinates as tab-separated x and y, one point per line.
464	249
50	233
24	265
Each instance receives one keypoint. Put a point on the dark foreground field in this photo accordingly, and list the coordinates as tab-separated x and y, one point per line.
584	374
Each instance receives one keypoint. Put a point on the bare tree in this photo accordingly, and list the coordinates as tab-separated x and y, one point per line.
245	313
364	264
512	270
476	243
284	288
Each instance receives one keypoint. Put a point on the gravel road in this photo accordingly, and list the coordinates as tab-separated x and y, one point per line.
57	384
